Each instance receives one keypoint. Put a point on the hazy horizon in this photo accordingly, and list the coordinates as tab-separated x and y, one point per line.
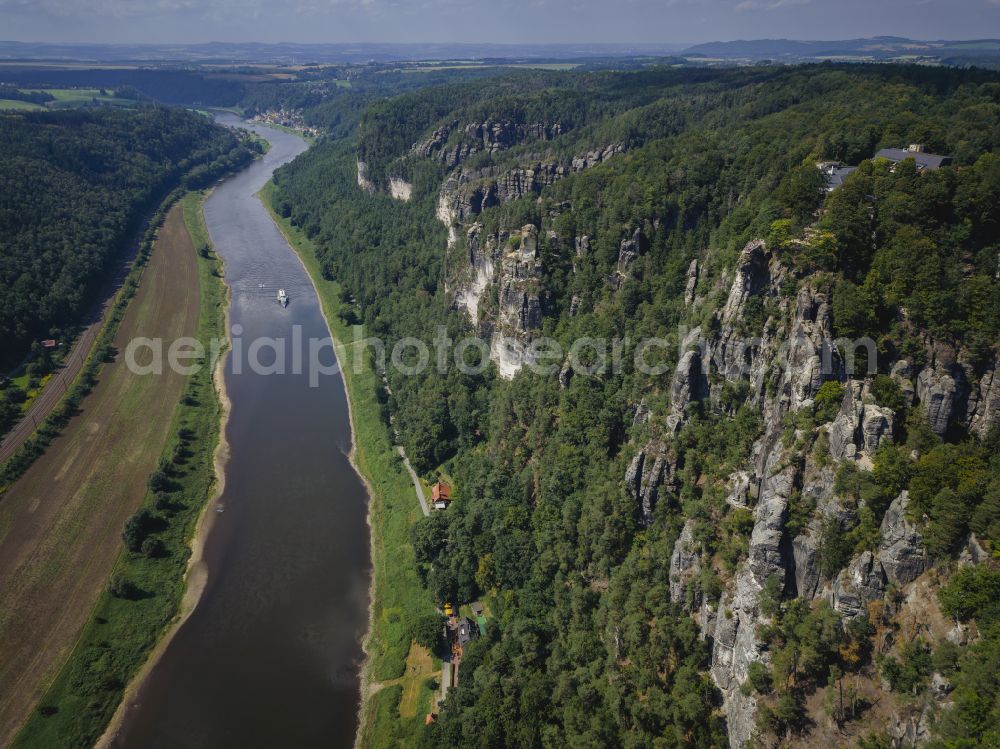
676	23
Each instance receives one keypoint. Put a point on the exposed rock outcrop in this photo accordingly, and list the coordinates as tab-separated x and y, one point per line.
818	490
520	307
490	137
860	427
862	582
692	283
689	382
901	552
734	647
941	391
363	182
902	373
739	489
400	189
751	277
765	556
629	251
810	359
648	471
468	192
516	275
481	253
685	564
736	644
986	414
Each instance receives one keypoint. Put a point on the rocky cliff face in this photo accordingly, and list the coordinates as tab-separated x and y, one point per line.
489	262
783	369
649	470
467	192
400	189
481	253
984	413
860	426
363	182
519	303
452	144
707	364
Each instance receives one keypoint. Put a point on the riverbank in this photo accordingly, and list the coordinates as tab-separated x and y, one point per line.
196	574
147	590
397	596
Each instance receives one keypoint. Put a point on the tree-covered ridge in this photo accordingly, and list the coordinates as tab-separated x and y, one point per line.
75	186
610	579
594	101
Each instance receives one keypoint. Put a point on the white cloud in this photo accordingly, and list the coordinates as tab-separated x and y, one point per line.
750	5
140	8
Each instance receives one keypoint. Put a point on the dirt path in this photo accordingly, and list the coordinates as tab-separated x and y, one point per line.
416	480
60	524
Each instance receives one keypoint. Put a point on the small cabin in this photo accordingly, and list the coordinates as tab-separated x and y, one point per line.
441	495
467	631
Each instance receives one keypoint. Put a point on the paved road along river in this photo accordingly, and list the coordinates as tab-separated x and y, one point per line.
271	655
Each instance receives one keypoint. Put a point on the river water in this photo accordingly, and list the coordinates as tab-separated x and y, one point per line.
271	655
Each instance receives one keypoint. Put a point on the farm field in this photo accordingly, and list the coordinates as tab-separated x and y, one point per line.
67	98
60	524
25	106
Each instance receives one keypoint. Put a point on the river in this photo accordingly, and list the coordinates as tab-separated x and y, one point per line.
271	655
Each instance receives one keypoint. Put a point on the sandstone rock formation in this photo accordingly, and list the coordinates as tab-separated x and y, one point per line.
901	552
860	427
685	563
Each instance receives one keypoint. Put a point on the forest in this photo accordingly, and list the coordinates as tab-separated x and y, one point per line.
76	187
589	644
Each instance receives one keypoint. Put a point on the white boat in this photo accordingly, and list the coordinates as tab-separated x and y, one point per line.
282	298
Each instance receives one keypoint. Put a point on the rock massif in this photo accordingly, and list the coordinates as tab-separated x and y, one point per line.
519	303
452	144
509	262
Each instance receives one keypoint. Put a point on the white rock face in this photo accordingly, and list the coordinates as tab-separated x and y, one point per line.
446	217
480	252
400	189
519	304
509	353
363	182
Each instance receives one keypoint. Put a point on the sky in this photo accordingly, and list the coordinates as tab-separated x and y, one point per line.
497	21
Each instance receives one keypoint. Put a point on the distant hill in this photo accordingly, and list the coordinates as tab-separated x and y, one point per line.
876	48
287	52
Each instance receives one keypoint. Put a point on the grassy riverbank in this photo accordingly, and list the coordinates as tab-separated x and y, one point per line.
146	587
398	597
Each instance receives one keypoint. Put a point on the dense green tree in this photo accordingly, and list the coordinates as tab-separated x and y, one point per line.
76	186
